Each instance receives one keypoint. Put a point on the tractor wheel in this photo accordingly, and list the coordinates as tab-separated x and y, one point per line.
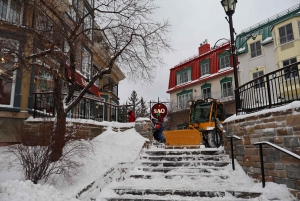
214	138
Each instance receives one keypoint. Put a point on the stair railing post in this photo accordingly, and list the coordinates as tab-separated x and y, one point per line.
232	155
262	166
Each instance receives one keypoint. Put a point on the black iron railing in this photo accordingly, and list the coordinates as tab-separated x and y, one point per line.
231	143
87	108
262	159
271	90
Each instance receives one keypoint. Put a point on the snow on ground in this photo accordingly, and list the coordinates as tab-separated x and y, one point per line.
109	149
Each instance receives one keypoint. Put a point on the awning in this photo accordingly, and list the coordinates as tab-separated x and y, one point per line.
81	80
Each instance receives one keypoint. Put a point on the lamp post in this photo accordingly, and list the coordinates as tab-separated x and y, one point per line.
229	7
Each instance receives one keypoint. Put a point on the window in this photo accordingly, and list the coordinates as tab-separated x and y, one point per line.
206	93
72	9
205	69
86	63
258	83
292	71
88	24
9	61
183	98
255	49
11	10
184	76
226	89
224	62
286	33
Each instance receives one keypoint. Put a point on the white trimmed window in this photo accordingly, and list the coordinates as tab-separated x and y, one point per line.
72	11
255	49
259	82
182	100
292	71
205	69
7	74
88	24
224	62
184	76
286	33
206	93
86	63
11	10
226	89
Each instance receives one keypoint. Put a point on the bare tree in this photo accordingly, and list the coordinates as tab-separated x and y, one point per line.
128	36
35	161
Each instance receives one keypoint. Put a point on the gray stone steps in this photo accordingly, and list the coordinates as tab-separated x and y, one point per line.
186	164
172	176
182	152
188	193
185	158
182	175
185	170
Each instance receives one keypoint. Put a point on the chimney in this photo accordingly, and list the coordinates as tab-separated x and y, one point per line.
204	47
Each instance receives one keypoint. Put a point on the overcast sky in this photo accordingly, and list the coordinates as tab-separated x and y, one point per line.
193	21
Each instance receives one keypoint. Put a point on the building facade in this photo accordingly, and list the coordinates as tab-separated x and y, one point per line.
268	46
24	88
209	74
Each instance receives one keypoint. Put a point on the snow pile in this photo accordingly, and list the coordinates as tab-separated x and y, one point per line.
27	191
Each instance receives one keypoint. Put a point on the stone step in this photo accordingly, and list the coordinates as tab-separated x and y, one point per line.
181	170
187	193
181	176
211	151
185	164
185	158
142	198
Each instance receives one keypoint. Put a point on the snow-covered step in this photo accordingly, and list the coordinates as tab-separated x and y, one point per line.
161	152
164	198
177	170
181	176
185	158
186	164
188	193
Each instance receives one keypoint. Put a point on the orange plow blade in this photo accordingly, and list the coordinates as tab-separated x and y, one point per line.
183	137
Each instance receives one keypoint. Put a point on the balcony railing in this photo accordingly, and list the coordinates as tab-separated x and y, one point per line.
271	90
88	108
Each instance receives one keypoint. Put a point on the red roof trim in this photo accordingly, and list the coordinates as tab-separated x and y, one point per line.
199	81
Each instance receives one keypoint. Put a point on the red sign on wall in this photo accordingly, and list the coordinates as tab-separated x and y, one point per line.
159	109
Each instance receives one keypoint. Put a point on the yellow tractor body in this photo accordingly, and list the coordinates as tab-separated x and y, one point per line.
205	125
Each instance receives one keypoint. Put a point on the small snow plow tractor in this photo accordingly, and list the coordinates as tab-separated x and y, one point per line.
205	126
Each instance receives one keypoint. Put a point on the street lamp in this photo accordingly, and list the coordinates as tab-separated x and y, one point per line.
229	7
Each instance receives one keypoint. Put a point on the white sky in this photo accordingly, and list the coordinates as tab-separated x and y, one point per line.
192	22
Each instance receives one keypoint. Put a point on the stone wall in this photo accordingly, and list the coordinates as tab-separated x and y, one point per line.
278	127
38	132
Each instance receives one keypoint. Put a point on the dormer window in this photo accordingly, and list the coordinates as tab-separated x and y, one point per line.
255	49
184	76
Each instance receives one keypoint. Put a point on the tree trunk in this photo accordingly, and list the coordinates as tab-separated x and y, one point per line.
59	129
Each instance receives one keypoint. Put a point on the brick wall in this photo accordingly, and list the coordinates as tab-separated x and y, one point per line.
281	128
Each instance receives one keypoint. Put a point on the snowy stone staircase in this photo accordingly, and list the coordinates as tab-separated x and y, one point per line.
183	174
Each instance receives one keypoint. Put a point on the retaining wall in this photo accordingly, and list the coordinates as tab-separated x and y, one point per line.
278	126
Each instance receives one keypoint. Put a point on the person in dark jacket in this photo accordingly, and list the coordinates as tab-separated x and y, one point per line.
131	115
158	132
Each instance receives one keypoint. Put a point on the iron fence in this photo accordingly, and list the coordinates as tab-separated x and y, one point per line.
87	108
271	90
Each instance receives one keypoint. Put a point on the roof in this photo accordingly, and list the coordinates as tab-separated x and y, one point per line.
264	28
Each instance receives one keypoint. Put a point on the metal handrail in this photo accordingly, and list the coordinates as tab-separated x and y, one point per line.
231	142
270	90
262	159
